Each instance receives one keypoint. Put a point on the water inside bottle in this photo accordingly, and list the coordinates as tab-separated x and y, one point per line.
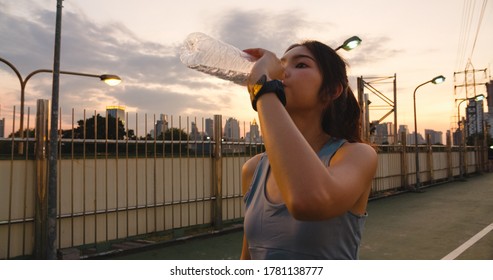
236	77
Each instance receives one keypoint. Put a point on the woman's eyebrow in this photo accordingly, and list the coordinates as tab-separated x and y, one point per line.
297	57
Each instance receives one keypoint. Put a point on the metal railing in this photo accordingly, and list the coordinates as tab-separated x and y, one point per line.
117	189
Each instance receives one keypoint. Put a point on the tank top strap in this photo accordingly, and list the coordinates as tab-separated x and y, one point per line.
259	176
329	149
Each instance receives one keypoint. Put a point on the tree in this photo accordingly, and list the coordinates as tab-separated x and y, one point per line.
131	134
29	133
175	134
97	123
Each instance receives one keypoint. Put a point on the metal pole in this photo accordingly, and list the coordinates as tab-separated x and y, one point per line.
395	109
53	150
464	150
485	146
418	181
449	157
461	151
362	105
366	111
404	172
218	133
41	198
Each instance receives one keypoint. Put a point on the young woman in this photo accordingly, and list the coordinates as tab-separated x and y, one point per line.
305	197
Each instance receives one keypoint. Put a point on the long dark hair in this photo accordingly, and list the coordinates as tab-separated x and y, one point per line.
342	116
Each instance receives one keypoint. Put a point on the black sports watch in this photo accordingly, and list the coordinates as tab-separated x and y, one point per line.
263	86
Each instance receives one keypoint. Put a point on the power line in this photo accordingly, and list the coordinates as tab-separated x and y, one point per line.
468	12
483	8
467	16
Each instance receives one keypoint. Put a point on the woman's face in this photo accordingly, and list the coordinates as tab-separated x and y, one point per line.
302	79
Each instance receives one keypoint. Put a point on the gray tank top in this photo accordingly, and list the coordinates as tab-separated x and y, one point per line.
272	233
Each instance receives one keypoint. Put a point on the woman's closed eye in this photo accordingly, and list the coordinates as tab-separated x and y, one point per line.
301	65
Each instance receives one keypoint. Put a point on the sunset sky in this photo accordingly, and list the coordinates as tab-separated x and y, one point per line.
140	40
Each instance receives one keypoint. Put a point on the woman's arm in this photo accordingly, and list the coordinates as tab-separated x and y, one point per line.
310	190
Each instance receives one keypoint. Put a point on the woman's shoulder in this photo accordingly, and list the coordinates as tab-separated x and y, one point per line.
252	162
358	150
248	170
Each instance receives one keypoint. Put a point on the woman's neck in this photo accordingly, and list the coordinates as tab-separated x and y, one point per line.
311	129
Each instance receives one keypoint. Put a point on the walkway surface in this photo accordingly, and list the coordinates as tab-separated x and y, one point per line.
452	221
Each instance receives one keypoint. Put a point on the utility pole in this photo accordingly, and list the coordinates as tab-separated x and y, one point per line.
474	82
385	103
470	79
51	253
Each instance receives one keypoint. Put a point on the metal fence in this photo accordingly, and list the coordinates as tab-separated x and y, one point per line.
116	189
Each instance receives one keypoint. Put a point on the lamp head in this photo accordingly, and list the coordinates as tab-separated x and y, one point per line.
350	43
438	80
111	80
479	97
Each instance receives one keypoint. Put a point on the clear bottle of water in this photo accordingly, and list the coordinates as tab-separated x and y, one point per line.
206	54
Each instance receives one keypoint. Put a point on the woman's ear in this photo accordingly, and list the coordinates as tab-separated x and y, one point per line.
337	92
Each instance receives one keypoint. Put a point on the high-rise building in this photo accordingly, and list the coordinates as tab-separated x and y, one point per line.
457	137
254	134
436	137
449	135
411	139
402	129
232	129
161	125
384	133
117	112
474	117
209	127
194	133
489	116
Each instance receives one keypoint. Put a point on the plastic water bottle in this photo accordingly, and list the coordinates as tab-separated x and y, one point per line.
206	54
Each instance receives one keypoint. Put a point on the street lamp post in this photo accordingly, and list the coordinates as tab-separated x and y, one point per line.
436	80
478	97
462	131
109	79
51	226
350	43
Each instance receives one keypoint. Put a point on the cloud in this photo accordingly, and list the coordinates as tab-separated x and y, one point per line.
275	31
26	42
374	50
154	79
87	47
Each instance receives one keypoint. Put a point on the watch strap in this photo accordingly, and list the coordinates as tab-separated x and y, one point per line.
274	86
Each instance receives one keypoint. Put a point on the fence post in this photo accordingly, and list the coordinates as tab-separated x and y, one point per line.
430	158
218	167
485	147
450	174
41	193
477	154
404	177
464	150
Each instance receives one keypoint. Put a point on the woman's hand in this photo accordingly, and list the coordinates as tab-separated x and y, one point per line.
266	64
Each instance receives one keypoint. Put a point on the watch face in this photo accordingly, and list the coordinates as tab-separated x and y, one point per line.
259	84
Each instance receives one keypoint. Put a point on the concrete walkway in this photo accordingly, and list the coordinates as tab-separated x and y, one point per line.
452	220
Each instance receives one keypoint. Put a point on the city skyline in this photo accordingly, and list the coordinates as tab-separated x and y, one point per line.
135	42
